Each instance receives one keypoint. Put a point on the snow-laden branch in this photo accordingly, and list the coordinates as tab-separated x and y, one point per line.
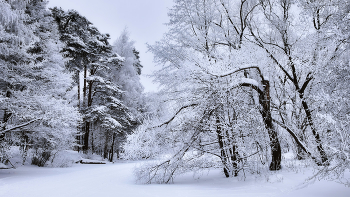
247	83
171	119
116	58
293	135
19	126
231	72
96	79
240	81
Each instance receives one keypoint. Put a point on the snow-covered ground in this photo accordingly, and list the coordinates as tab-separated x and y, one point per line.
117	180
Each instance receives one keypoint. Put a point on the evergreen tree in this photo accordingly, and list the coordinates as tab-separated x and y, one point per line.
37	86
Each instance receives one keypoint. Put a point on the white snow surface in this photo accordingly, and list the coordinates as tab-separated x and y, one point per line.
86	180
249	81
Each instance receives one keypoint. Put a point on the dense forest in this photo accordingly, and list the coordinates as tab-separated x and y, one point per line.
242	83
63	85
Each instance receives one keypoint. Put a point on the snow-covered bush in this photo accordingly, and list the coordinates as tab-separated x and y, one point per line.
63	159
145	143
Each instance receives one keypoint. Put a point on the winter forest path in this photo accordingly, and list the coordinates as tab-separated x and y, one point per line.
83	180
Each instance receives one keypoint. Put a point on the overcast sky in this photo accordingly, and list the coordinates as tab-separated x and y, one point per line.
144	20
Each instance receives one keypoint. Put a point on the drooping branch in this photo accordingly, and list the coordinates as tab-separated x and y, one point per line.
297	140
294	136
256	88
171	119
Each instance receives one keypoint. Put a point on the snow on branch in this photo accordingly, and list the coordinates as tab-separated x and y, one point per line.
117	58
171	119
112	123
19	126
300	144
248	83
95	78
225	74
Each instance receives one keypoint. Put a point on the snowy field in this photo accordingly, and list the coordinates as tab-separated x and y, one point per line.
84	180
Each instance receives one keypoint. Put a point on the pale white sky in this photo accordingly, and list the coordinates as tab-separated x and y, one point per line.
144	19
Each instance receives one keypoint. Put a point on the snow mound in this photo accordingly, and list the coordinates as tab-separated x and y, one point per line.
3	166
275	178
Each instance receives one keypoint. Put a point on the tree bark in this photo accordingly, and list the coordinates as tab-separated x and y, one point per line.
320	149
84	85
112	147
221	146
86	136
105	150
264	100
229	157
78	138
88	104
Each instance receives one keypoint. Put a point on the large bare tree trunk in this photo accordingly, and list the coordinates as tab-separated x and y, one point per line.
264	100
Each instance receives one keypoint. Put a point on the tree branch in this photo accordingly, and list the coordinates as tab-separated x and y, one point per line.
298	141
241	69
171	119
19	126
307	81
260	92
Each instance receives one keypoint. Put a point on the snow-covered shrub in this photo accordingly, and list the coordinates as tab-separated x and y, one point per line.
165	171
63	159
40	157
145	143
13	156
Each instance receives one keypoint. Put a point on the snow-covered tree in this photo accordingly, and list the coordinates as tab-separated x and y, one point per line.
265	60
37	88
209	80
128	75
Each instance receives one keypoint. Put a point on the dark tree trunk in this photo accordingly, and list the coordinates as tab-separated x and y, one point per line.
78	83
86	136
301	91
112	147
84	85
89	103
234	159
79	107
320	149
300	151
92	141
105	150
221	146
264	100
87	124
